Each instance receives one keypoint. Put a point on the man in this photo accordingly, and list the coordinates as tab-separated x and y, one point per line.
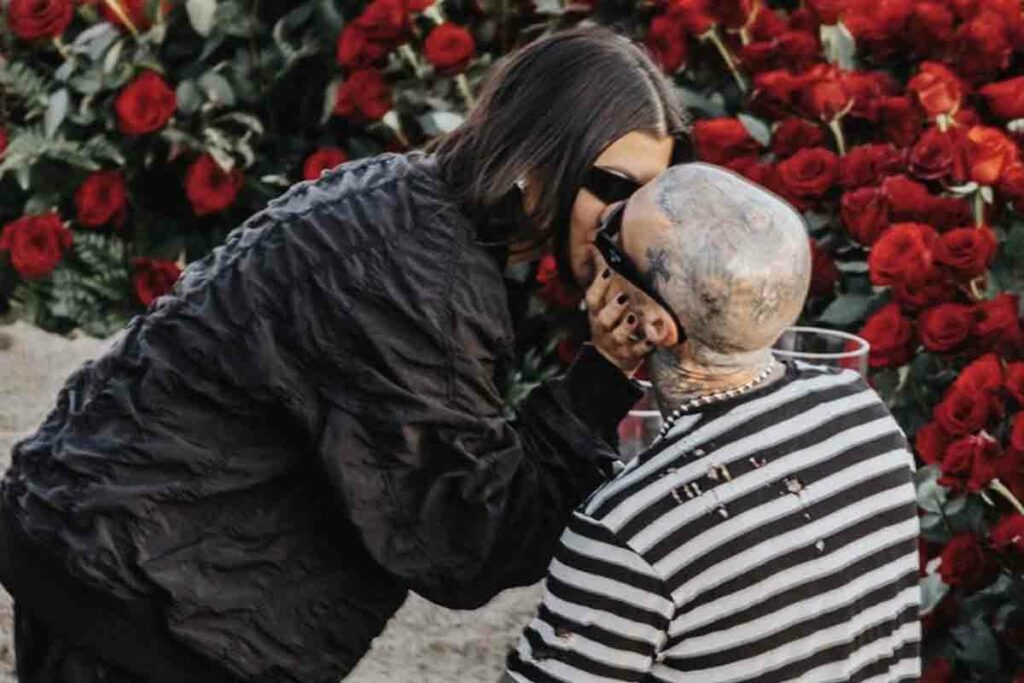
770	534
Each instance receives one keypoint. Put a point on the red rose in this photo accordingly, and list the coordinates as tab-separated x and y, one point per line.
939	671
963	411
666	39
935	155
868	89
719	141
101	198
449	47
809	173
865	214
356	50
1017	433
930	442
768	24
970	463
825	95
966	564
36	244
797	49
878	24
1015	382
153	278
937	89
903	253
749	167
774	92
145	105
3	140
733	14
209	187
828	11
944	213
552	291
418	5
793	134
940	616
966	252
322	160
567	350
33	19
363	97
945	327
693	15
996	318
824	273
1005	98
984	374
981	47
989	153
908	200
385	21
929	29
890	336
137	11
1008	534
1011	183
934	288
900	120
868	164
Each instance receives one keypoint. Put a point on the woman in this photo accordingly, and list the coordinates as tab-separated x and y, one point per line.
249	482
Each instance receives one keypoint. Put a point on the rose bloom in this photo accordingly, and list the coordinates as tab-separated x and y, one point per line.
989	153
769	23
984	374
824	94
970	463
936	154
322	160
943	213
929	29
824	273
868	164
868	89
900	120
996	318
145	105
933	288
153	278
719	141
793	134
903	253
945	327
552	291
385	21
809	173
210	188
938	90
827	11
908	200
890	336
981	47
36	244
101	198
1011	183
667	42
1015	382
795	50
3	140
363	97
966	563
878	24
865	214
1017	432
1005	98
930	443
694	15
449	47
733	14
967	252
356	50
938	671
775	91
34	19
963	411
1008	533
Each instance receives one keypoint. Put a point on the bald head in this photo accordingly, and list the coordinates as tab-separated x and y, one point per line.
730	257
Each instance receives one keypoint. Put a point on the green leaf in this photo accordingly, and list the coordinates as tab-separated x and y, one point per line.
697	102
188	96
112	56
976	645
95	40
839	46
217	89
846	310
201	14
56	111
757	128
931	496
440	122
87	82
933	589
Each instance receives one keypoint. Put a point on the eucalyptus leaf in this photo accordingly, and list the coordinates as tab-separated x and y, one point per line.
201	14
188	97
931	496
693	100
933	589
113	55
846	310
56	111
757	128
217	89
440	122
65	70
976	645
839	46
87	83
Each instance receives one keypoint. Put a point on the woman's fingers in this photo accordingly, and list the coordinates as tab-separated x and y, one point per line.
597	290
611	315
624	333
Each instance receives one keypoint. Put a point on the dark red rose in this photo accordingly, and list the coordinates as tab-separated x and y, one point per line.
356	50
934	288
793	134
903	253
101	199
418	5
322	160
989	153
930	443
552	291
768	24
868	164
868	89
825	95
966	252
1011	183
828	11
966	118
1008	534
929	30
797	49
809	173
965	563
878	25
938	89
153	278
1015	382
694	15
210	188
719	141
35	243
364	96
449	47
33	19
908	200
963	411
3	140
1005	98
865	214
145	105
938	671
567	350
984	374
945	327
981	46
1017	432
996	318
970	463
755	171
733	14
666	39
934	156
385	21
944	213
890	336
824	273
900	120
775	91
804	19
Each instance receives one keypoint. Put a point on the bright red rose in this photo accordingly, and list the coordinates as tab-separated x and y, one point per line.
868	164
824	273
981	46
939	671
970	463
1015	382
145	105
1005	98
868	89
1008	534
793	134
552	291
890	336
34	19
666	39
1017	432
966	563
996	318
903	253
322	160
385	21
934	288
944	213
768	23
356	50
449	47
908	199
984	374
809	173
989	153
865	214
935	155
694	15
210	188
967	252
825	94
35	243
945	327
719	141
153	278
937	88
364	96
900	120
101	199
963	411
930	443
929	29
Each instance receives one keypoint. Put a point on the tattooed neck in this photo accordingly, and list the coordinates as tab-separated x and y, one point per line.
697	372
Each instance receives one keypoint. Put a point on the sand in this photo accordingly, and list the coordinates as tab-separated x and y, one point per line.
422	644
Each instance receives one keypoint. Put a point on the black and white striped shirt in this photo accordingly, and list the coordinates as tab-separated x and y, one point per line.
771	538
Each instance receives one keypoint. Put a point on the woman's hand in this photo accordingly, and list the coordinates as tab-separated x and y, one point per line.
614	327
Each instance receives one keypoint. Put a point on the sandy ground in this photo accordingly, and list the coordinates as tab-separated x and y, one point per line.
423	644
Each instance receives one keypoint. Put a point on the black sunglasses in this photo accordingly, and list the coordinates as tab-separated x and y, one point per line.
619	261
609	186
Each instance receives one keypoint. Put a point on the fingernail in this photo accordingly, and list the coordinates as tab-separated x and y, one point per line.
606	274
631	319
622	298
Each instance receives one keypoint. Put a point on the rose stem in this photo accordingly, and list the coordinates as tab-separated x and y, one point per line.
1001	489
836	126
712	35
115	6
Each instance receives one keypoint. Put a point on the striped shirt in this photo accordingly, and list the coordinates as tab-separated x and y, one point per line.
772	537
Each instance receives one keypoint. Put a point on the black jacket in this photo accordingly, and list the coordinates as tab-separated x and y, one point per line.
266	461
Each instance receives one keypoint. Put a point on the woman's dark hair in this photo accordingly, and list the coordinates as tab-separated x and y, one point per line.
548	111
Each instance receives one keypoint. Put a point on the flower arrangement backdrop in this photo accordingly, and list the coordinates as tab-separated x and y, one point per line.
134	134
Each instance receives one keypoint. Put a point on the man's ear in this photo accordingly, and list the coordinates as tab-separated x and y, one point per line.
659	328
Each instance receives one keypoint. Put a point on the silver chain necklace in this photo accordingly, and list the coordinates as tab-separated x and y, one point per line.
706	399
